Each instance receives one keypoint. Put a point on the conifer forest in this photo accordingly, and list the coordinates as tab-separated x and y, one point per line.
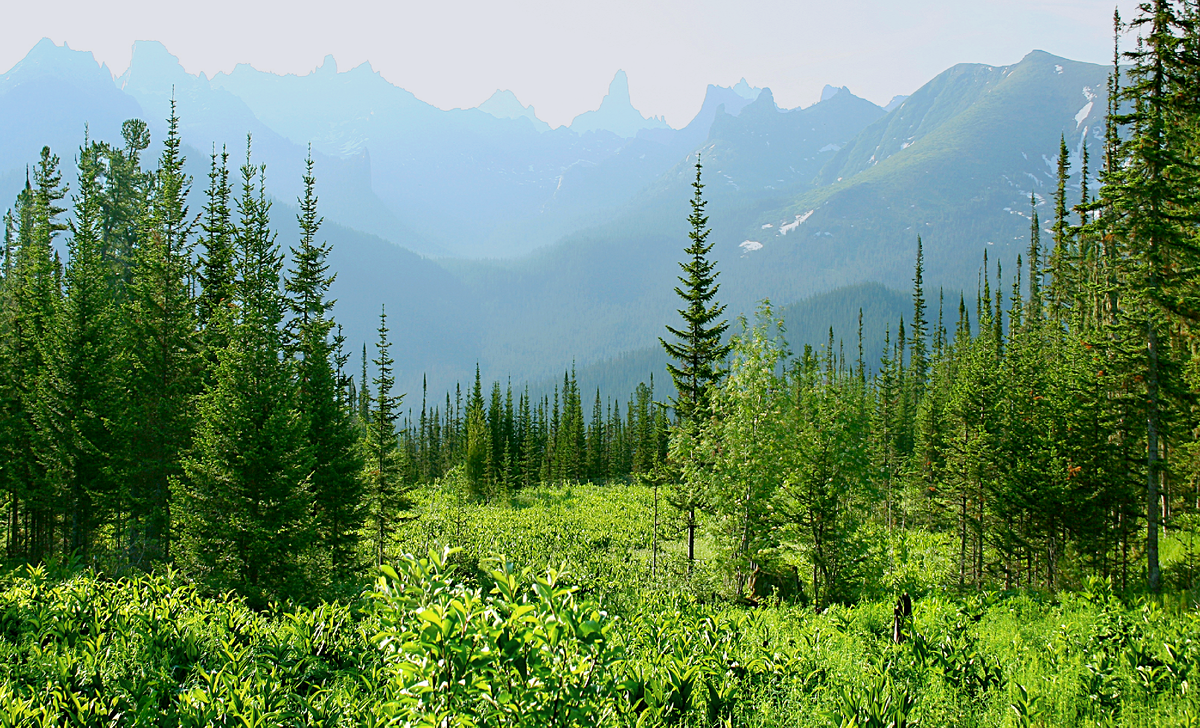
217	510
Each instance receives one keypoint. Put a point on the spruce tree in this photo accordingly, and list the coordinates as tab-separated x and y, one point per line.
919	356
126	192
478	442
335	484
216	272
697	350
1063	257
32	297
1153	192
245	510
383	460
164	355
80	396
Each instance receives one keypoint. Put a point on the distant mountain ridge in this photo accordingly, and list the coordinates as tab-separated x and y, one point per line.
505	105
590	226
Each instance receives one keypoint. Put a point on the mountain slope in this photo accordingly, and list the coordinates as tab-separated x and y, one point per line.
211	117
806	323
955	163
608	288
50	98
505	105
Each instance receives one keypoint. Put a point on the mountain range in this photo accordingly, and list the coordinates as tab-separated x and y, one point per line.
493	238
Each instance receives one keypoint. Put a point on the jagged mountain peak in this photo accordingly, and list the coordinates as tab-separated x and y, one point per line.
830	91
745	90
618	90
155	70
616	113
46	58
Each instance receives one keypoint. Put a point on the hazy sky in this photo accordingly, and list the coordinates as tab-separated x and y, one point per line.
560	56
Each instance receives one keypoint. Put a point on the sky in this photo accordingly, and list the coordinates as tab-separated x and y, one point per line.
561	56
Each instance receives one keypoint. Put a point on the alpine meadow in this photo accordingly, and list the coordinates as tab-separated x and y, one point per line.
844	416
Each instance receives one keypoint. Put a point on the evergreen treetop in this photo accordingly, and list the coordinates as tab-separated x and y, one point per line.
697	350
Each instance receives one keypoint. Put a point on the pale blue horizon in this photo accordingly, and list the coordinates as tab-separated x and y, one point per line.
560	57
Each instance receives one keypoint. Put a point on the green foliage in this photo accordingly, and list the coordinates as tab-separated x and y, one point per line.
785	458
244	507
526	653
524	647
698	350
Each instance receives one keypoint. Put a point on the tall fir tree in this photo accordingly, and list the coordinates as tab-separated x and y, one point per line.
1155	195
32	298
697	350
216	272
164	355
383	460
335	484
245	510
80	394
126	193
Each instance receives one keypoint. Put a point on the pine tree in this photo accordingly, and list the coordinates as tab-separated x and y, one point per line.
383	460
335	485
1154	195
245	509
80	396
164	355
126	194
697	350
1062	259
1033	316
32	297
216	263
478	442
919	356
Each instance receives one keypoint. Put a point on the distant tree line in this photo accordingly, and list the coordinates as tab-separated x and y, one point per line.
505	443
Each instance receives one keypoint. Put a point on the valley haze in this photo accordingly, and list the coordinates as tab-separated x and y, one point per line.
496	237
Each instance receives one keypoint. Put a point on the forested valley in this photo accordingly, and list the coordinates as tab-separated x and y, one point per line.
216	513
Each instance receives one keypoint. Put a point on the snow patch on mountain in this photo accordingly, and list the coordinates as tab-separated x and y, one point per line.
785	229
749	246
1083	113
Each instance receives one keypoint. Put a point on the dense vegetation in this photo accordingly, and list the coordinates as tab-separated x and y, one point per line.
172	395
193	479
462	641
